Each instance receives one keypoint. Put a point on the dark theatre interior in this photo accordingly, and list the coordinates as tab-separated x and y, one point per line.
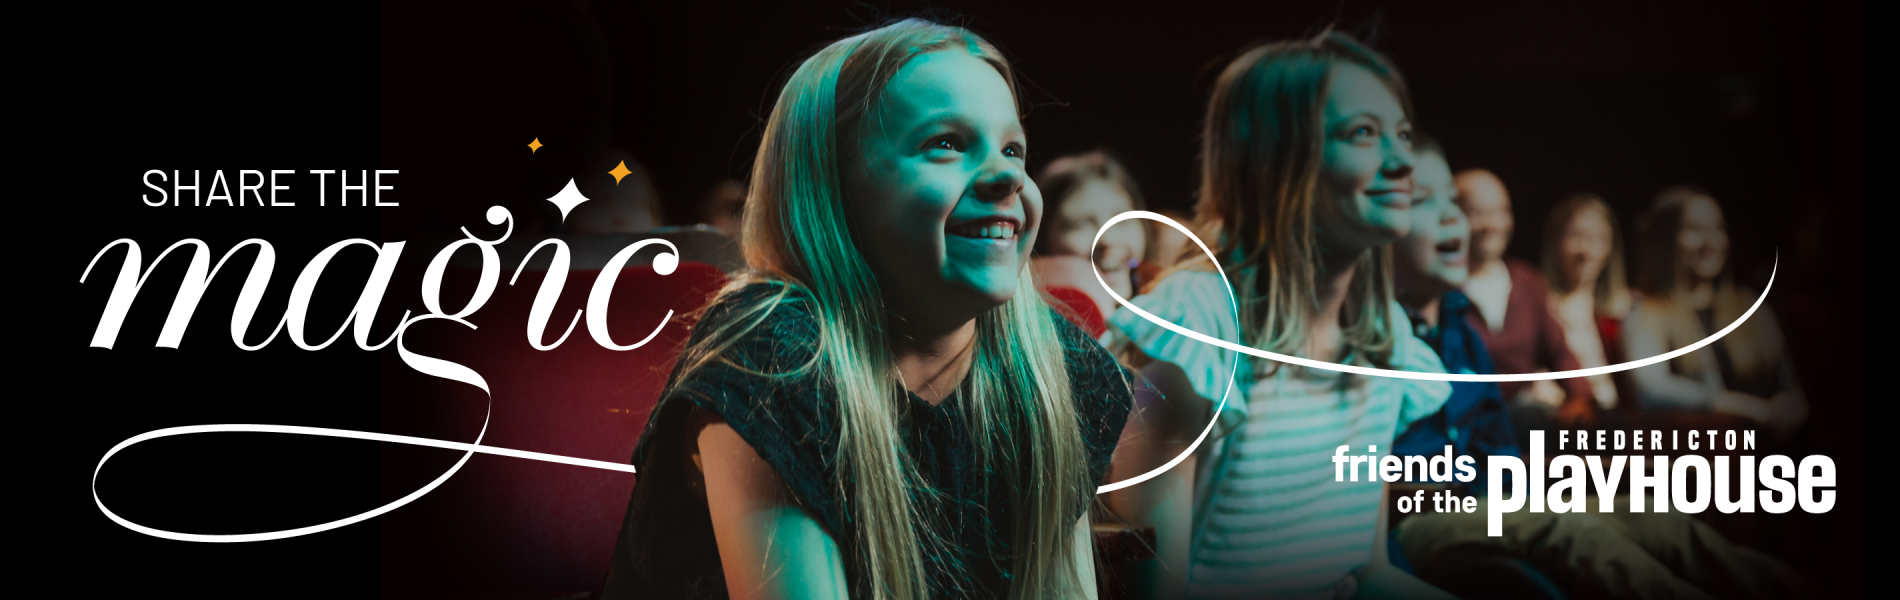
1763	105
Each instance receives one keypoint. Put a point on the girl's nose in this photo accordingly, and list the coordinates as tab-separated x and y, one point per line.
1003	180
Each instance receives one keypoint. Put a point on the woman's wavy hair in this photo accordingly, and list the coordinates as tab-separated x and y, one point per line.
1612	293
797	234
1261	153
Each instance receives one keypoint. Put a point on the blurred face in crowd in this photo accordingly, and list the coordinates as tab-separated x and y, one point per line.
1366	176
1585	246
1488	206
941	207
1431	258
1073	225
1702	243
724	207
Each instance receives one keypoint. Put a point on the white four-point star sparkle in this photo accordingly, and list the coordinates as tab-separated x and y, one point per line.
569	198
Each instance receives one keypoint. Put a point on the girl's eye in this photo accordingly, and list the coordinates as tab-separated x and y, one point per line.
1015	151
1362	131
945	143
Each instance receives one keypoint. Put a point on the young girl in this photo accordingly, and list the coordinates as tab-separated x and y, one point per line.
883	407
1589	296
1083	192
1688	295
1306	178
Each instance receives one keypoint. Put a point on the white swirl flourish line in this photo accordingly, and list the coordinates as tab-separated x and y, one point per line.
469	449
445	370
1329	366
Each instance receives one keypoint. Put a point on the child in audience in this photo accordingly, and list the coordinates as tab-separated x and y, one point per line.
1429	265
1514	311
1306	178
1081	193
1591	554
883	407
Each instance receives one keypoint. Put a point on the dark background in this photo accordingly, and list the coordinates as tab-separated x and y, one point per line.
1764	105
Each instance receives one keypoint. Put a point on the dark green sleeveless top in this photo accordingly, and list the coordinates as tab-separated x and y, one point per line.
666	547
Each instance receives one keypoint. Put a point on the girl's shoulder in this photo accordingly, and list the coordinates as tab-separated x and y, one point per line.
1103	391
1184	296
764	326
1093	370
774	303
752	360
1198	301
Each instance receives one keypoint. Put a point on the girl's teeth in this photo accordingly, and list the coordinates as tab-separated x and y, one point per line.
998	232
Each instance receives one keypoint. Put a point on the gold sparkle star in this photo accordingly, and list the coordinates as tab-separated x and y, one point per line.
534	145
619	172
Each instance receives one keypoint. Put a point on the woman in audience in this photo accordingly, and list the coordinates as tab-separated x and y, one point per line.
1589	296
1687	295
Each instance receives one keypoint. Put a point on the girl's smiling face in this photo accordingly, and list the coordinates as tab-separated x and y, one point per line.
939	201
1365	180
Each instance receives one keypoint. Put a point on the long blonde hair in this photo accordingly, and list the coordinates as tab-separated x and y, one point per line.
797	233
1612	293
1261	155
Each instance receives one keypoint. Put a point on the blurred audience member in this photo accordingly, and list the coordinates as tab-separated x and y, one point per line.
624	204
1514	310
1166	247
1583	261
1080	193
1592	554
1429	264
1688	294
723	207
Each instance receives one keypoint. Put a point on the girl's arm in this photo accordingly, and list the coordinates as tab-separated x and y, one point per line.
1158	430
1382	580
768	546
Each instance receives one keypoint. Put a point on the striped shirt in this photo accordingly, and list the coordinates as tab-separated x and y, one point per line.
1269	517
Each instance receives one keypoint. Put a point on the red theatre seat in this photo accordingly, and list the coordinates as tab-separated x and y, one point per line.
517	527
1078	307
